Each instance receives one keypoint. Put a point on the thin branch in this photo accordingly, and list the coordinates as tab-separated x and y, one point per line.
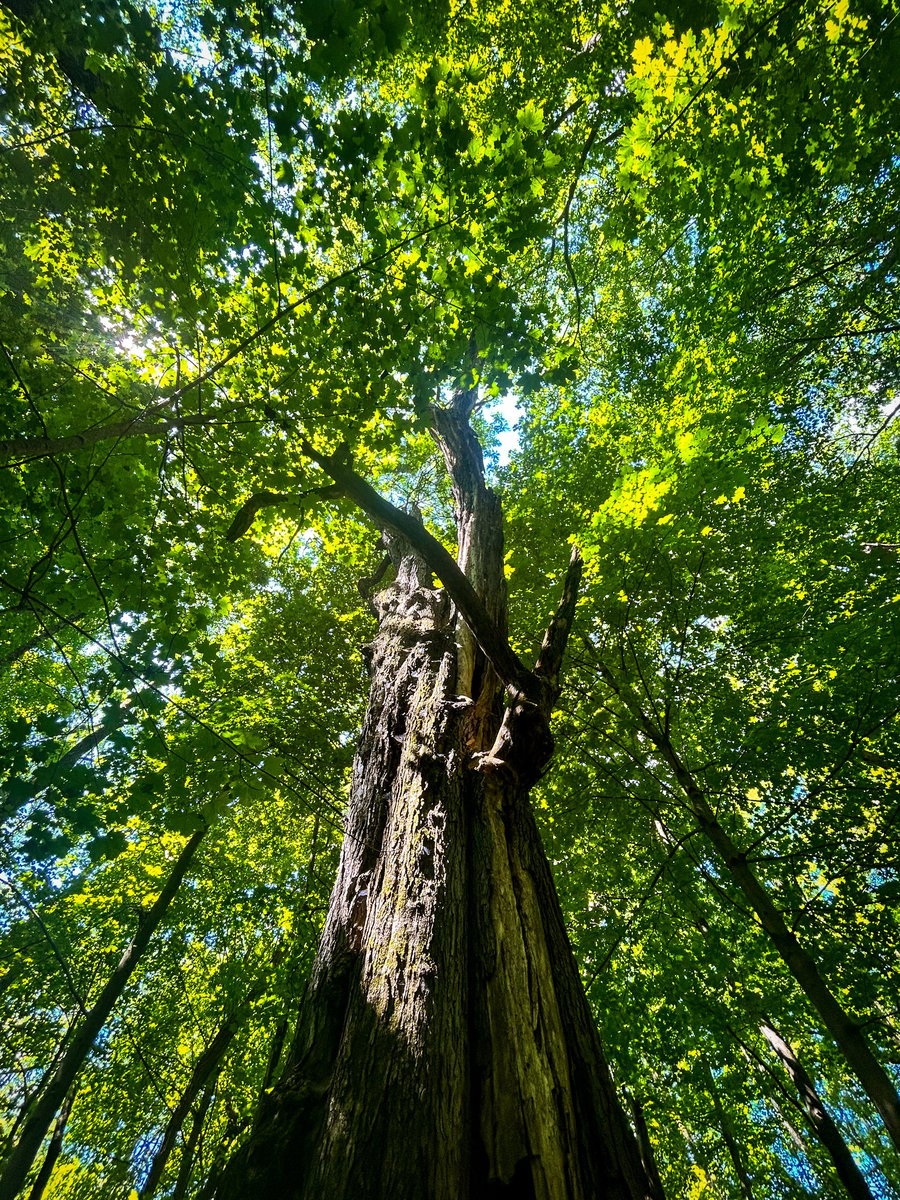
57	953
31	448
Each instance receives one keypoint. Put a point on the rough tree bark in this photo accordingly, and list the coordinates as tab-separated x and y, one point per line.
445	1047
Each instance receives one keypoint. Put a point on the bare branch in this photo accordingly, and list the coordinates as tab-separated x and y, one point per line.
557	635
24	448
248	510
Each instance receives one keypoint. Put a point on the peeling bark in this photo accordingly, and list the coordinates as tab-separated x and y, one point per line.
445	1047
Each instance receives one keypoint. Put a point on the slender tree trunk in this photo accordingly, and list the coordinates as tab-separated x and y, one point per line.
793	1132
54	1148
276	1049
190	1150
825	1129
694	1151
846	1032
206	1065
445	1047
645	1146
52	1095
731	1142
889	1025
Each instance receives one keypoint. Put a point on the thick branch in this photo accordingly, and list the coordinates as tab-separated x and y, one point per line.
248	510
515	675
479	555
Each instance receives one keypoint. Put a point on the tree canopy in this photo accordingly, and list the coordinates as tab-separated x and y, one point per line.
241	241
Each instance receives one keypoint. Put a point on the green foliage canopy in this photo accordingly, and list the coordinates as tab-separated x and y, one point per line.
671	235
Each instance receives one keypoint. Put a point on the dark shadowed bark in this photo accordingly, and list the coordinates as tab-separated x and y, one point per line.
445	1047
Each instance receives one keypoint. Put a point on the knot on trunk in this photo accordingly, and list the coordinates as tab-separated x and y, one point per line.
523	746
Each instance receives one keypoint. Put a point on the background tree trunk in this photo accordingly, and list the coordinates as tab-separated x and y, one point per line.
445	1047
54	1148
731	1142
827	1132
190	1149
38	1123
648	1158
847	1034
207	1066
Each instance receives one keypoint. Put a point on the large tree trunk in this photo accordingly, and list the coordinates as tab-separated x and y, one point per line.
445	1048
